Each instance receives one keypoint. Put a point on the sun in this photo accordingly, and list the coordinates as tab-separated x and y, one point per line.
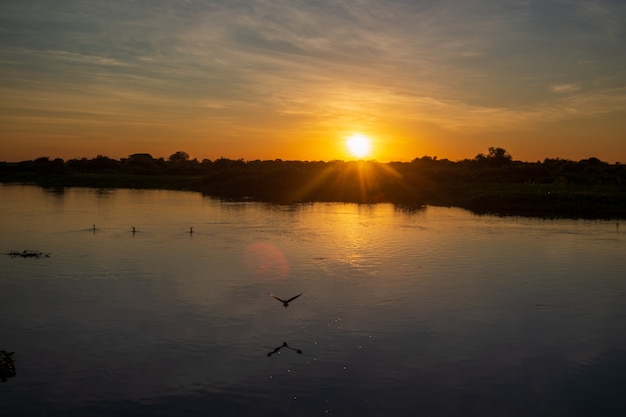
359	145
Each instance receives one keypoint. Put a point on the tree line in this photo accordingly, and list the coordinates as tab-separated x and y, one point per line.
492	181
497	165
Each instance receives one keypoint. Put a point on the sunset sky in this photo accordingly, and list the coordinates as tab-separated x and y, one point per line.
293	79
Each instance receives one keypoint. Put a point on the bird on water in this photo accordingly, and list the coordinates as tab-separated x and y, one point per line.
285	302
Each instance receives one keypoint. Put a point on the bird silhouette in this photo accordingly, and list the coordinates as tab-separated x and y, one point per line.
284	345
285	302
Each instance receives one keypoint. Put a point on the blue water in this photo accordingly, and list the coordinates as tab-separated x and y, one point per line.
432	312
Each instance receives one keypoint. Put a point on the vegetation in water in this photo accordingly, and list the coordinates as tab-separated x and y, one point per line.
28	254
7	365
489	183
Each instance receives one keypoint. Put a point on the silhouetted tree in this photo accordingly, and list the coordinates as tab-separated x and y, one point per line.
179	156
78	165
496	157
141	163
103	163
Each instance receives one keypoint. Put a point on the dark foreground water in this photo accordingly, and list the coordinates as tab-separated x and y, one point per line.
431	312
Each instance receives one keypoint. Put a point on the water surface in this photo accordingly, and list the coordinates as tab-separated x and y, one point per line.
405	311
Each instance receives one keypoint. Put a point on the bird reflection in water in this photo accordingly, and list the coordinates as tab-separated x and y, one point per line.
284	345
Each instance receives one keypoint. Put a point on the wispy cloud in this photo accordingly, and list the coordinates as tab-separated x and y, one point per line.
565	88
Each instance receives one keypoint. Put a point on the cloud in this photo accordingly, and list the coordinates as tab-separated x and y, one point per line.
565	88
259	66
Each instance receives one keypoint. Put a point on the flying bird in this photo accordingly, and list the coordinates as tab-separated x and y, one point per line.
285	302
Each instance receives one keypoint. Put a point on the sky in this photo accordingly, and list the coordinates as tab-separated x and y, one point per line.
293	79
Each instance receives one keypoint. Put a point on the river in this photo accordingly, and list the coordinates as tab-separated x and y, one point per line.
152	302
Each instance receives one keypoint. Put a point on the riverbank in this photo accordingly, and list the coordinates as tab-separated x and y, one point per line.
499	198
